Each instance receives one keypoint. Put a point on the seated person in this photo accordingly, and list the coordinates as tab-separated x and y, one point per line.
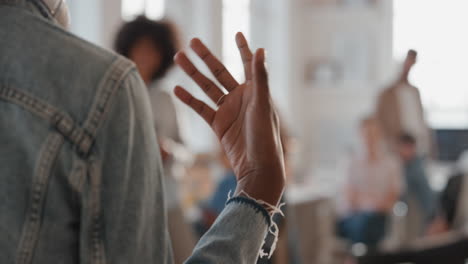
445	219
373	186
418	189
216	203
447	241
213	207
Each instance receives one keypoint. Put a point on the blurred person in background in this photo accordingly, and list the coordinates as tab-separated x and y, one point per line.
447	236
373	186
418	195
151	45
227	183
452	214
215	204
399	108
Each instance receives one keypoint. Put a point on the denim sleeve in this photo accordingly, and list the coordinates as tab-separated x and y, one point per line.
129	203
236	237
132	212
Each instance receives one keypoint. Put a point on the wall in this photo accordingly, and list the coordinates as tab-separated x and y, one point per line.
328	62
95	20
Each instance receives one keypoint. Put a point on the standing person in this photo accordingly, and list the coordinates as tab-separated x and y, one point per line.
80	170
373	186
152	45
418	195
399	108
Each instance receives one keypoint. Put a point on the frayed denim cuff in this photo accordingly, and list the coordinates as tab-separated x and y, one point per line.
252	203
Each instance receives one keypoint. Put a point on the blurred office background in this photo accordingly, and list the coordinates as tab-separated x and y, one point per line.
328	61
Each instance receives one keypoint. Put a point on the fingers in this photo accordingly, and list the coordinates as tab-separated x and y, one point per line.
246	55
198	106
260	76
205	84
215	66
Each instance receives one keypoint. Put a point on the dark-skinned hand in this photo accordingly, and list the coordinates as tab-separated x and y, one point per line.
245	122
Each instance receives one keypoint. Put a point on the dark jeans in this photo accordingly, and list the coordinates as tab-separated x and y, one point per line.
453	253
363	227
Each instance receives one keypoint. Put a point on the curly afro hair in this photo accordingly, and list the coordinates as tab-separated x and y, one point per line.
162	33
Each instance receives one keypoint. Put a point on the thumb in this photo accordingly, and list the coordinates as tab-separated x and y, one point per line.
260	76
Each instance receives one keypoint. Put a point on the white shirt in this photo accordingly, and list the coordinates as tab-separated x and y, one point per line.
370	183
165	115
167	127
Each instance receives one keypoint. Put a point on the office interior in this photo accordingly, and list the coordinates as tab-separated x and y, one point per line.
329	63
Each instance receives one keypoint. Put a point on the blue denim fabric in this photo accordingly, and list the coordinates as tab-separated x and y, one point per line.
364	227
80	171
227	185
417	186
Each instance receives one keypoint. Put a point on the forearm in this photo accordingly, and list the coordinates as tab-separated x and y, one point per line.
236	237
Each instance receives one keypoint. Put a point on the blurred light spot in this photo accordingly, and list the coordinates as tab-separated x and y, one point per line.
153	9
359	249
400	209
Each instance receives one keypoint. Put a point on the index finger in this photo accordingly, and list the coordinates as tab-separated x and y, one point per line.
216	67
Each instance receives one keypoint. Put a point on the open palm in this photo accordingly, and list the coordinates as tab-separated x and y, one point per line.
245	121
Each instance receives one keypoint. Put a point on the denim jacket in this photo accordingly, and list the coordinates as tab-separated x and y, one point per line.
80	171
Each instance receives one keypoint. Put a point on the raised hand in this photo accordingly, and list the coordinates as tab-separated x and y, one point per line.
245	122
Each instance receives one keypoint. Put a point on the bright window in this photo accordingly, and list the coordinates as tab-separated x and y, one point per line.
436	29
153	9
236	17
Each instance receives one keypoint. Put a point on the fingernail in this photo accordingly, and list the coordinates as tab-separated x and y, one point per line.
176	55
261	55
178	91
195	42
237	38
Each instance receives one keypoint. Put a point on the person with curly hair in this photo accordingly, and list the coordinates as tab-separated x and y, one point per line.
151	45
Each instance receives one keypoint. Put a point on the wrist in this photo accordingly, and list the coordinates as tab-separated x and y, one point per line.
269	192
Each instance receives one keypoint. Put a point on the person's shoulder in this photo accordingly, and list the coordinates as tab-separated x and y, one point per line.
58	68
89	67
92	73
92	53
